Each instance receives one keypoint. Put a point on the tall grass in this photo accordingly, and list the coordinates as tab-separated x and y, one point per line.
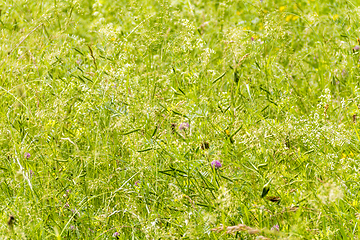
175	119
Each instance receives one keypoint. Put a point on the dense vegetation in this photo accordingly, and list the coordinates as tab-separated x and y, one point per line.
179	119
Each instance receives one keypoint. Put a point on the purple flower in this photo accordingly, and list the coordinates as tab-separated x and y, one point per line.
137	183
116	234
216	164
27	155
72	227
356	48
275	228
184	126
66	205
252	38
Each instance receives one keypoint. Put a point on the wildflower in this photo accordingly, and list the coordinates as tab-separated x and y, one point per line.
184	126
137	183
216	164
252	38
116	234
72	227
356	48
66	205
288	18
27	155
67	193
330	192
275	227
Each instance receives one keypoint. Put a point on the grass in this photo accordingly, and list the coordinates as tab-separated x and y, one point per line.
93	94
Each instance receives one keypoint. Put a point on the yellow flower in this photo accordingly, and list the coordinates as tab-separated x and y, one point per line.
282	8
295	17
288	18
238	13
335	17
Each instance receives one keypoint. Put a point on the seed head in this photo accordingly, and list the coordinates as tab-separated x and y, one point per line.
205	145
10	222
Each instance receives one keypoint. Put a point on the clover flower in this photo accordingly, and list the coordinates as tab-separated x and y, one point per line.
27	155
216	164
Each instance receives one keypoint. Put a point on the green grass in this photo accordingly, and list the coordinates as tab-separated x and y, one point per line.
92	95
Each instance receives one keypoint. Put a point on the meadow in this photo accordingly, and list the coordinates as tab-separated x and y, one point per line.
179	119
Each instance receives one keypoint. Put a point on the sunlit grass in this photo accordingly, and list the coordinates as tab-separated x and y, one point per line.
179	119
